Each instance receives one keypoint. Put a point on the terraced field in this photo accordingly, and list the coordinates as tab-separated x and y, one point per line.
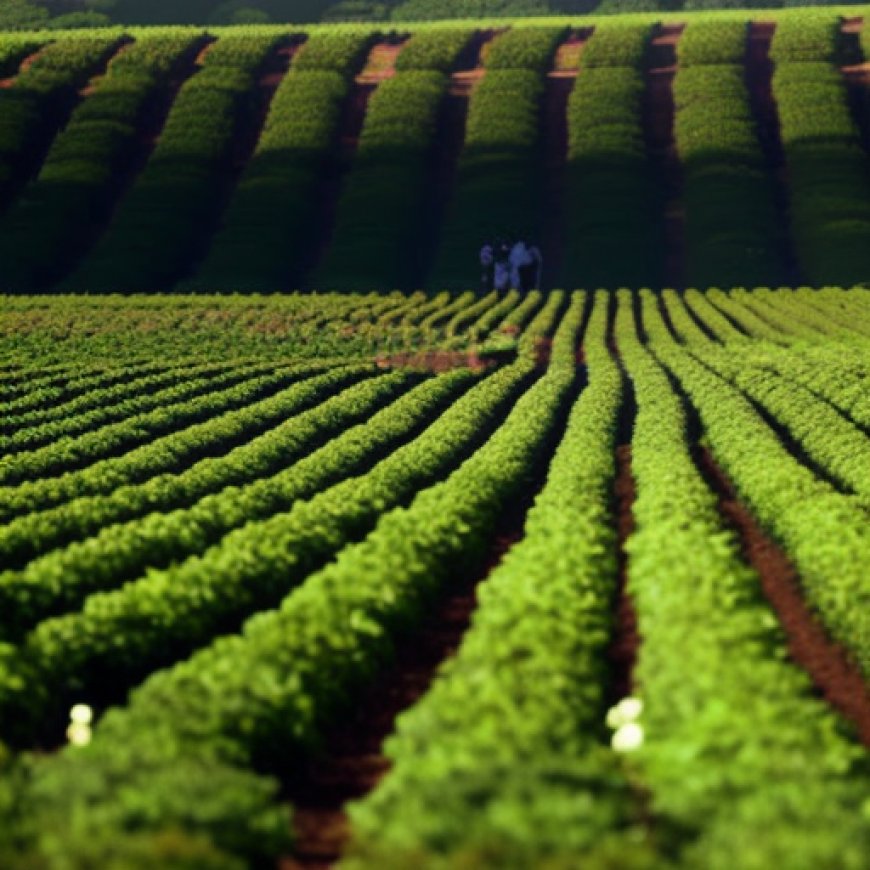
699	151
257	536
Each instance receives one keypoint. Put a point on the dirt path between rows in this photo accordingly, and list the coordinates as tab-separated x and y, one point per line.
52	119
446	150
149	127
379	65
835	676
249	127
25	65
759	82
353	761
558	87
659	112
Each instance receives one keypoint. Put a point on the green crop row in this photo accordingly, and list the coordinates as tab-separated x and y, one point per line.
170	519
737	751
812	36
179	189
180	607
731	223
530	48
823	531
497	188
13	49
189	430
268	692
135	391
831	440
56	214
613	238
500	763
388	173
268	228
712	42
69	453
828	175
617	44
76	424
36	106
434	50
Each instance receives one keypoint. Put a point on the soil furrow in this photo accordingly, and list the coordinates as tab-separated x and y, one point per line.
659	111
150	126
379	65
558	86
759	82
834	675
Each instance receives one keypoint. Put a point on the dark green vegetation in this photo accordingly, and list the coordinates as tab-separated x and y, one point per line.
223	520
719	151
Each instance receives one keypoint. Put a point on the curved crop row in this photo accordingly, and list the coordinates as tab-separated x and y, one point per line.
267	227
294	669
42	234
177	190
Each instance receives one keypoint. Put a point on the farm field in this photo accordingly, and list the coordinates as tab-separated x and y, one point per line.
699	150
555	580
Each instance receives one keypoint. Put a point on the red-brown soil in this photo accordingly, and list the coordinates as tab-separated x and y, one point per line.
378	66
559	84
835	676
759	82
626	639
22	67
436	361
659	114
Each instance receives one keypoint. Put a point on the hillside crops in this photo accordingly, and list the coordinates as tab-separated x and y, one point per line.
225	523
721	150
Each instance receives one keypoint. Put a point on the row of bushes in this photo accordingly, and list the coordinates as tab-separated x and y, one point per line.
187	738
38	105
379	227
613	237
828	175
159	225
268	227
55	215
738	753
732	228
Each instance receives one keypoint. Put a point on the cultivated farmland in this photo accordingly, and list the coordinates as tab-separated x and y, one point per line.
317	550
247	533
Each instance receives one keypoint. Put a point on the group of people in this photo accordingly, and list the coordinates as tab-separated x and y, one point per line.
510	266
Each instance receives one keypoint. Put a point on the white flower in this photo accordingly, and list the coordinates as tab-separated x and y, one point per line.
81	714
79	734
628	738
627	710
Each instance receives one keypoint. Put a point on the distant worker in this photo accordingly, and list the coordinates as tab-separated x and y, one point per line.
502	275
520	259
487	258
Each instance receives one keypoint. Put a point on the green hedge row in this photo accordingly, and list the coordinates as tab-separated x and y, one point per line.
378	231
712	42
159	224
813	36
613	236
268	227
732	227
529	48
497	190
828	174
55	215
616	44
39	102
434	50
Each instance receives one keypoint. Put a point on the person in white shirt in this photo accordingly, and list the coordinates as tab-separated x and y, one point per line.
519	259
502	275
